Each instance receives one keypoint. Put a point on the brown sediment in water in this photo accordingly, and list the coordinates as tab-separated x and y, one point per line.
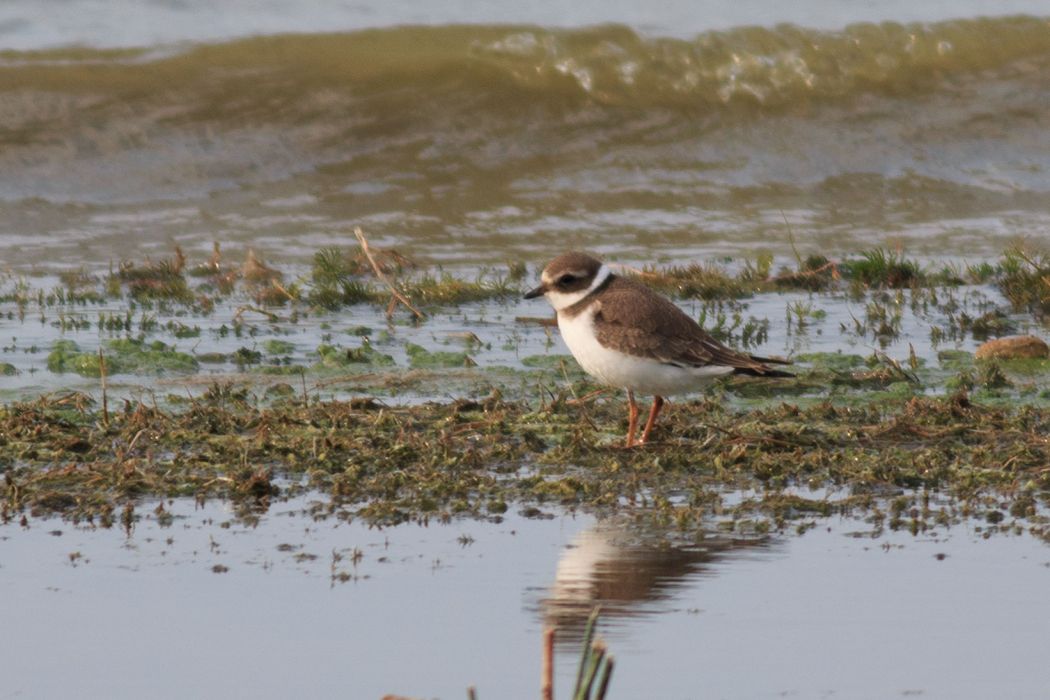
1013	348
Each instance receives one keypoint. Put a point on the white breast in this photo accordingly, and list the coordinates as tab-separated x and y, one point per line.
626	371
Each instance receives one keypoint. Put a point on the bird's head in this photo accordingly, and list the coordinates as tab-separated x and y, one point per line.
569	278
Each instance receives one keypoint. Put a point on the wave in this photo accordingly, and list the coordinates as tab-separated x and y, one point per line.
608	64
217	114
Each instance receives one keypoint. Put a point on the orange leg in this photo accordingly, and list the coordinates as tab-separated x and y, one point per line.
632	418
658	403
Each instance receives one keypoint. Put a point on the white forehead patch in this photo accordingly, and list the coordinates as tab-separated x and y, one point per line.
563	300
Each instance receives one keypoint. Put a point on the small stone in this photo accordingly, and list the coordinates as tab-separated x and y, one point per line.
1013	347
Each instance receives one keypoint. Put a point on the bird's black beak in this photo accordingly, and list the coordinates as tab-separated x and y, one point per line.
537	292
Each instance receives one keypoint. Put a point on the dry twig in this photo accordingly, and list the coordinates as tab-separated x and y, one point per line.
383	278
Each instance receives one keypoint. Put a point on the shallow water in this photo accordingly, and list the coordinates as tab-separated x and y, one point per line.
426	611
503	352
469	145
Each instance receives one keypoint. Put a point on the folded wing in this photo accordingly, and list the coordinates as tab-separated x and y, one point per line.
637	321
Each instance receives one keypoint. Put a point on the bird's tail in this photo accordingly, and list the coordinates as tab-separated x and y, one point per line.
762	368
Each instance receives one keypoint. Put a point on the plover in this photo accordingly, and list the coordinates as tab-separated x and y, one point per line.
626	335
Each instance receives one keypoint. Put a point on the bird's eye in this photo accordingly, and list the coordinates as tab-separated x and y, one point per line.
566	280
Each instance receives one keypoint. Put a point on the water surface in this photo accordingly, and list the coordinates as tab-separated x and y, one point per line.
478	144
204	604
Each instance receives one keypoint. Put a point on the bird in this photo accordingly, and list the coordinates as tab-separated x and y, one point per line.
628	336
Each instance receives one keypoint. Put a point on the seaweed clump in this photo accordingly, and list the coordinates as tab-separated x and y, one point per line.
160	280
880	267
1025	280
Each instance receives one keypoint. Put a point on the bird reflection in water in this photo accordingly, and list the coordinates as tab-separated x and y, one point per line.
627	573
